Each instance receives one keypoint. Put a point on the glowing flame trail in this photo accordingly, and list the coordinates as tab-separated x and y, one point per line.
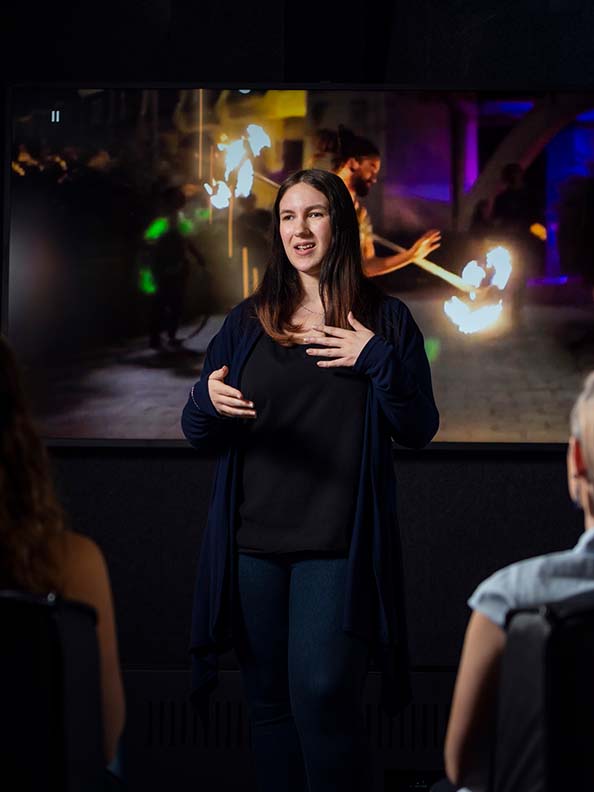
473	274
469	319
238	161
235	154
219	199
258	139
499	260
245	179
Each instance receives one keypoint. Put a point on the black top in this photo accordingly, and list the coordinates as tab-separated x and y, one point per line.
301	455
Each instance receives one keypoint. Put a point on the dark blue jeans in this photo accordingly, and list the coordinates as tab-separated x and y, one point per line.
303	676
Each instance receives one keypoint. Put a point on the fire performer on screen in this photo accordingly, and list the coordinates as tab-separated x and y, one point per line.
357	161
300	571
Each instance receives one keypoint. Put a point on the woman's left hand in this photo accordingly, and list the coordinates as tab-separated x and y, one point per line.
343	345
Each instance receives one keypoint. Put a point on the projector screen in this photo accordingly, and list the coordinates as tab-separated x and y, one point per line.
139	216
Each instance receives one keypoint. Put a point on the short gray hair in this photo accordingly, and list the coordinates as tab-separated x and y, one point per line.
581	422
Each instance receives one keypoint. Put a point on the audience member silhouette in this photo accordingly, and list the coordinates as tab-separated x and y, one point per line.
38	554
529	583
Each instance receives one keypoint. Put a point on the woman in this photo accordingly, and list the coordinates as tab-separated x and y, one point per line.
301	391
528	583
37	553
357	161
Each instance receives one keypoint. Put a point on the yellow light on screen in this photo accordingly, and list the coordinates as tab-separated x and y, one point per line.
284	104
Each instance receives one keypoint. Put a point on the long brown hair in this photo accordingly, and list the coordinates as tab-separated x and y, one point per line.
343	286
30	516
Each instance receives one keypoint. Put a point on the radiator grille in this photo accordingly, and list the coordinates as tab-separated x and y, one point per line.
171	722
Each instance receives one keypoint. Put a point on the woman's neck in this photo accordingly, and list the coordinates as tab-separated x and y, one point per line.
311	291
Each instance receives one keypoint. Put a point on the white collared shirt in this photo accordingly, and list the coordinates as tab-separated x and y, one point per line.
535	581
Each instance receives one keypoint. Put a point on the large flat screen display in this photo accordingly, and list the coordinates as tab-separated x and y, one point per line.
139	216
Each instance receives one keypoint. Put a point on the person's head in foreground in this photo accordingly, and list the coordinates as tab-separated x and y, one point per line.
524	584
580	452
38	554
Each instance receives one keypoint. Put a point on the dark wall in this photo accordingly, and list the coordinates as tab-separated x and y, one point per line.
463	513
428	43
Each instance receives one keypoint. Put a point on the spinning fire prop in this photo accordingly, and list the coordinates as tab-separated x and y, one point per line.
469	319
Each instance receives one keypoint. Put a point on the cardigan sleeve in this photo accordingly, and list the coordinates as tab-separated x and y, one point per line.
401	379
205	428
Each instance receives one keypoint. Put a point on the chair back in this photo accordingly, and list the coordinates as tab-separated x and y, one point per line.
51	733
544	738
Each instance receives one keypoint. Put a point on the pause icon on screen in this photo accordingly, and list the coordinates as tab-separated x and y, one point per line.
55	116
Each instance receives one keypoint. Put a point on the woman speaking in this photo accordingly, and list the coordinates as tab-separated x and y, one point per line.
302	391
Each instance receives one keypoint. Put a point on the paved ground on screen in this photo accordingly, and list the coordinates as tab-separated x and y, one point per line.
514	384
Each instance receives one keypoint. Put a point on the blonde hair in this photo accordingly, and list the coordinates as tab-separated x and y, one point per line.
581	423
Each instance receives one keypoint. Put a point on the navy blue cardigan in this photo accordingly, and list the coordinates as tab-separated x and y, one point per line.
400	406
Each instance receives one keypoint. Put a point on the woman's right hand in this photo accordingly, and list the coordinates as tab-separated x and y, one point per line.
228	401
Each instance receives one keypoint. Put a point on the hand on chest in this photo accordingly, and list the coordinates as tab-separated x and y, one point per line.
287	381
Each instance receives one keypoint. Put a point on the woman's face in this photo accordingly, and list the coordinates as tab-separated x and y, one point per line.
305	227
